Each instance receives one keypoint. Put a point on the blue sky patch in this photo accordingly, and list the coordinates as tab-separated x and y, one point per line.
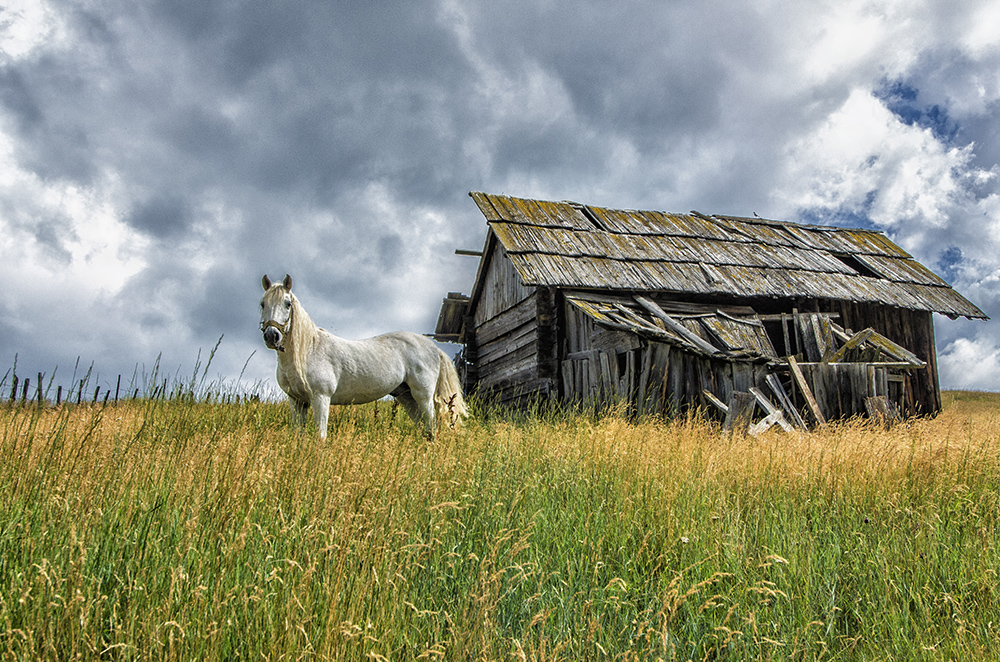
903	101
841	217
948	264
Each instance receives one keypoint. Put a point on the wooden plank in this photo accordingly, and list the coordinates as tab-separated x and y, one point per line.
777	317
807	338
877	364
663	361
784	331
827	335
642	396
677	368
770	409
630	379
614	340
497	348
584	355
674	325
715	401
567	380
818	335
786	402
504	322
895	351
765	423
807	393
852	342
881	410
606	378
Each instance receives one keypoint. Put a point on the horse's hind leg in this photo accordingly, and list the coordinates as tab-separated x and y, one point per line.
419	412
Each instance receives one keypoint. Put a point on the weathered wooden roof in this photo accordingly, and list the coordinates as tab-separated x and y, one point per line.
565	244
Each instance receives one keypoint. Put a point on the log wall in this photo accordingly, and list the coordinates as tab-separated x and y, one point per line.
515	338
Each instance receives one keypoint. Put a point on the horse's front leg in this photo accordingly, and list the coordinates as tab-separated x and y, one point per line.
321	414
300	412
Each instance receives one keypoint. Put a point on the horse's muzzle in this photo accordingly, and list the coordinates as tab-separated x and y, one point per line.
272	338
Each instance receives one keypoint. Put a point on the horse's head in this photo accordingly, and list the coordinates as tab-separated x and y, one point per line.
276	311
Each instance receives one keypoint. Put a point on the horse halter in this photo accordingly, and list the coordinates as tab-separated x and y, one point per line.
264	326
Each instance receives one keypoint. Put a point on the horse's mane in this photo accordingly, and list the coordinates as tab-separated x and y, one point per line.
302	335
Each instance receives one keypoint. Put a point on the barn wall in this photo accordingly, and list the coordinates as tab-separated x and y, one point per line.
914	330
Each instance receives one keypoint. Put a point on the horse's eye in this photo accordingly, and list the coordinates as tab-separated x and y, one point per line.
288	304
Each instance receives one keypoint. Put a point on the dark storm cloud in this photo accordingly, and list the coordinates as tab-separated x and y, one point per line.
337	142
161	217
18	101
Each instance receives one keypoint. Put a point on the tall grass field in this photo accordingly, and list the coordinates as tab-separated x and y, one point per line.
195	529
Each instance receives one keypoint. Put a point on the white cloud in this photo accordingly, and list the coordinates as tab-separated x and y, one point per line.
864	161
970	363
64	237
26	24
980	38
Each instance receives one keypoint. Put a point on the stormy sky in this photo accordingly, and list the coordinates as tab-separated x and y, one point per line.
156	158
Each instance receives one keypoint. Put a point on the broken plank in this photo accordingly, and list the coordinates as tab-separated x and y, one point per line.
715	401
852	342
765	423
800	380
771	409
786	402
674	325
895	351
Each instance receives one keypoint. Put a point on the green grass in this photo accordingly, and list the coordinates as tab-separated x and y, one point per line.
190	530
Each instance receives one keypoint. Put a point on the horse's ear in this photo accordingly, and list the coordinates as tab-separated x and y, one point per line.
287	282
266	282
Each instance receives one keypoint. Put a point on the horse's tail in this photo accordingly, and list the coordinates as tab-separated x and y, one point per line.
448	401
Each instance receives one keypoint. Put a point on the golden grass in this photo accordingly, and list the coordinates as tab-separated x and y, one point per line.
184	530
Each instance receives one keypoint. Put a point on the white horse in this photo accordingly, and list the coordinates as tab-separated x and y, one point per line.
317	369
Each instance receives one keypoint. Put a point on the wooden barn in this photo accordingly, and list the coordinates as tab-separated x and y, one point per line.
664	311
